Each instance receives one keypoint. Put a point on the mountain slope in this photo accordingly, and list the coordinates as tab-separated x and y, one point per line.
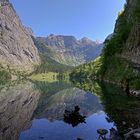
17	48
120	61
68	50
47	62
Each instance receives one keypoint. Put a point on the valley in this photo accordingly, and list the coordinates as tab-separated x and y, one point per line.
70	88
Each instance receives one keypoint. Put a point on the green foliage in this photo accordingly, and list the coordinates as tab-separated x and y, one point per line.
50	65
111	66
117	42
119	69
4	76
136	12
87	71
135	83
124	24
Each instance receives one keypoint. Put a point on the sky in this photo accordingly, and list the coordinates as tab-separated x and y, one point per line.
94	19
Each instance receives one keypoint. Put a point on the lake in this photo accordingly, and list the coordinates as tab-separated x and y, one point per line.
65	111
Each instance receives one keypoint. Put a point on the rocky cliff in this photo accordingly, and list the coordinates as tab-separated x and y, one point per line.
17	48
121	55
130	17
124	46
68	50
120	60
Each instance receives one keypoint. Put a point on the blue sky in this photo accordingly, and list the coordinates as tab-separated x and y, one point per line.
82	18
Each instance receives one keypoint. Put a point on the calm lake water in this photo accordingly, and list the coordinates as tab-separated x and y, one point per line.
42	111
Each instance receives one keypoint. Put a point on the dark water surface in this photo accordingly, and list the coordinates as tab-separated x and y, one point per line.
42	111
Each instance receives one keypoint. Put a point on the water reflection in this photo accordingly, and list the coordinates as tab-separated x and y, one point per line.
68	99
53	111
17	104
61	115
124	111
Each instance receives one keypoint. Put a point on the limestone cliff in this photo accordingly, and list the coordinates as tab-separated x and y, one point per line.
131	50
68	50
121	55
17	48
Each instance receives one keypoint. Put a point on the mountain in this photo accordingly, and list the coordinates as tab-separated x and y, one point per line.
68	50
17	48
120	60
21	51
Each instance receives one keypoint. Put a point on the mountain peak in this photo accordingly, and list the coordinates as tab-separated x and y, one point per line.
66	49
86	40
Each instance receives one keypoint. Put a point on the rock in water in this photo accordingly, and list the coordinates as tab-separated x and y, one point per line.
17	49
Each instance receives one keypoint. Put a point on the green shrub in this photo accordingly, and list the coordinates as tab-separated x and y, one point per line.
4	76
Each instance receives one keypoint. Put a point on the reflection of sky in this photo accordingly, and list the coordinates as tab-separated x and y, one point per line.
90	106
58	130
68	99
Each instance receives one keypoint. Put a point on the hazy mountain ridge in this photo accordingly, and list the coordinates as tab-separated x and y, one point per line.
68	50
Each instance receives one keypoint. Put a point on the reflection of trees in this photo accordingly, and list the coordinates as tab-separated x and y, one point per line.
123	110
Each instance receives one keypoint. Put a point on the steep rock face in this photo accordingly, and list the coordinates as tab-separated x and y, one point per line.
68	50
122	51
120	60
17	48
132	51
132	45
17	105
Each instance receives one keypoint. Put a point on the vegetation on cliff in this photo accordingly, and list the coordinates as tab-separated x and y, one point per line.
4	76
50	65
112	66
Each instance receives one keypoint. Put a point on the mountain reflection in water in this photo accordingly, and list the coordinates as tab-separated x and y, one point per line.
53	111
17	105
50	119
68	99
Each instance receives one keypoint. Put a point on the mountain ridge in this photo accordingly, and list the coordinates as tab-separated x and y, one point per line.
20	50
68	50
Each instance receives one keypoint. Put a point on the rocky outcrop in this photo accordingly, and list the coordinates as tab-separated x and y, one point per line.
132	45
17	105
17	48
121	57
132	51
68	50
